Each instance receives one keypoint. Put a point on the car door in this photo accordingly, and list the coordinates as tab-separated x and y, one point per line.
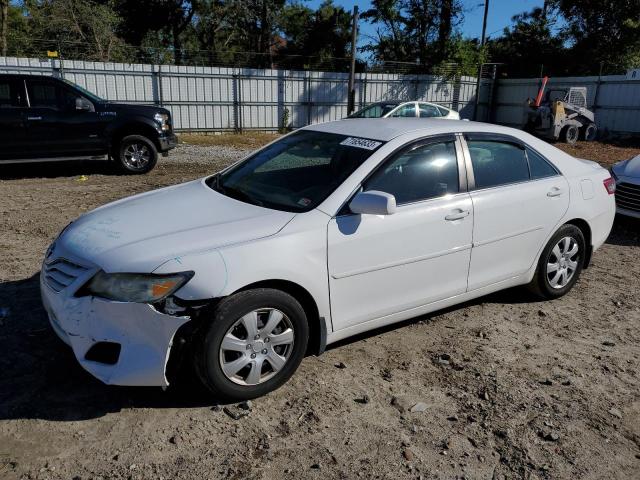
60	122
381	265
518	199
12	127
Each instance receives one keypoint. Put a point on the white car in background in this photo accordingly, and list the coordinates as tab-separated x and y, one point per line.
330	231
627	176
397	108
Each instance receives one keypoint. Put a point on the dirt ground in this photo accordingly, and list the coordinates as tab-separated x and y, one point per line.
512	387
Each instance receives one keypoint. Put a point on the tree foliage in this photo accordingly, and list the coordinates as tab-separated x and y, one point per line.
417	31
563	37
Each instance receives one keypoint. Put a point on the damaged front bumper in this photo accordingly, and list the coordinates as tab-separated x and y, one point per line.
119	343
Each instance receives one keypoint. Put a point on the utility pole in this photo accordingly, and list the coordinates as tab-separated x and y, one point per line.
484	22
482	40
351	101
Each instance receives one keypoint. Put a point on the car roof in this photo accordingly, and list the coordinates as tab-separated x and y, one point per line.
385	129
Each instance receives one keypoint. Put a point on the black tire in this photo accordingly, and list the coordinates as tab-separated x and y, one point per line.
570	134
207	352
135	154
541	283
589	132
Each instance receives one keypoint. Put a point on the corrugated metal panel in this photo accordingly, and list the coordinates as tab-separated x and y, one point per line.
221	98
617	100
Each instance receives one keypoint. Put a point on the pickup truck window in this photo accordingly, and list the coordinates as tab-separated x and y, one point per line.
9	97
42	94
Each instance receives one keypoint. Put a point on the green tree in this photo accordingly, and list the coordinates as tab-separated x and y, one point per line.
599	32
413	30
83	28
321	37
529	44
4	20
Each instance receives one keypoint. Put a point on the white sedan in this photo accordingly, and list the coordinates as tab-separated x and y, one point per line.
400	109
330	231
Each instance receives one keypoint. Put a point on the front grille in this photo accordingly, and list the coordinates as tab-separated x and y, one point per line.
60	273
628	196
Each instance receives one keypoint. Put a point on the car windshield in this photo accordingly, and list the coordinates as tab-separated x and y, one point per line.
296	173
375	110
93	97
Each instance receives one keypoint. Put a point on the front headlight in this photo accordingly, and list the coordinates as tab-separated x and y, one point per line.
163	121
135	287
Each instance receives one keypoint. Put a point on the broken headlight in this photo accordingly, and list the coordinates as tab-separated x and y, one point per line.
135	287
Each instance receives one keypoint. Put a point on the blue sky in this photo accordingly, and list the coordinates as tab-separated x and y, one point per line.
500	13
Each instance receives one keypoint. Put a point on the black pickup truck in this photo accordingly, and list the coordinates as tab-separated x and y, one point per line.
44	118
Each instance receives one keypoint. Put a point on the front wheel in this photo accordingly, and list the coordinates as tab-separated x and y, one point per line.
570	134
252	345
136	154
560	263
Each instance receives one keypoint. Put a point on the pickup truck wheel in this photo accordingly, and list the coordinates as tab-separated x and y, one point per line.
252	345
136	154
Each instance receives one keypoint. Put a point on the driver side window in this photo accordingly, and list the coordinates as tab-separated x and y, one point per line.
43	94
421	173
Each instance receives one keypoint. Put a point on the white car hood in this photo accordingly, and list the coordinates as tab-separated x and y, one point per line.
138	233
630	168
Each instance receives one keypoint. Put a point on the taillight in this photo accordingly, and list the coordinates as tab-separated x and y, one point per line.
610	185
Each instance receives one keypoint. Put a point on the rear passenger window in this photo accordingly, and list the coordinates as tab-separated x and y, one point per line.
428	111
8	95
497	163
427	171
540	167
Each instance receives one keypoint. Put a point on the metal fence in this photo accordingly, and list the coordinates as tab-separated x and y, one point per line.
614	99
236	99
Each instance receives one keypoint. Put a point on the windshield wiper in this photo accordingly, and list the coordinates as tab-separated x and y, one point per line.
240	195
233	192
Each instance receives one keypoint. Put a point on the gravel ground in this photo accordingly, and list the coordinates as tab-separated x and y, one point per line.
501	387
205	154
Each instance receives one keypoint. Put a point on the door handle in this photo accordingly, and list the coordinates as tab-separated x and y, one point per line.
457	214
34	118
555	192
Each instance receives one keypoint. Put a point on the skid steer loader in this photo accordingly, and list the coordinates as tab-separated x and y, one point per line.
561	115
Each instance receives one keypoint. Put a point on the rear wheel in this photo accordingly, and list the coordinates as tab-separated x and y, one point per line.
136	154
560	264
570	134
253	344
589	132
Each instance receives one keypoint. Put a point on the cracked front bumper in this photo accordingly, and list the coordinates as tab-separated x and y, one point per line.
145	335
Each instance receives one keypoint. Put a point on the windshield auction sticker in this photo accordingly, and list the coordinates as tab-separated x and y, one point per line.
360	143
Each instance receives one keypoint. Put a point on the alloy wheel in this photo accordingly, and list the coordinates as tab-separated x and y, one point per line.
563	262
257	346
136	156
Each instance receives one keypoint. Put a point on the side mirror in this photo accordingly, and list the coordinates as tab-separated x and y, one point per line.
373	202
83	105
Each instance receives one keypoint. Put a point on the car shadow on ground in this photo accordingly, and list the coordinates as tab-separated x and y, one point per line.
71	168
626	232
42	380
